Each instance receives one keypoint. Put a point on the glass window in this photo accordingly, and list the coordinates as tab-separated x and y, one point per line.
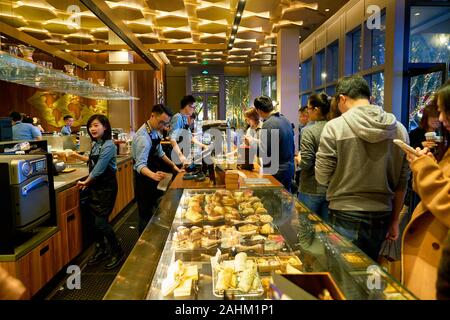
205	84
319	69
236	93
304	99
330	90
355	38
333	62
376	85
422	88
269	86
378	43
429	35
306	75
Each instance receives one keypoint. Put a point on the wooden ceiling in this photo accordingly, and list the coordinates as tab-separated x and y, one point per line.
187	31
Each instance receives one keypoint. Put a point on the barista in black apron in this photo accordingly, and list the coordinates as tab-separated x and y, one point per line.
101	195
147	194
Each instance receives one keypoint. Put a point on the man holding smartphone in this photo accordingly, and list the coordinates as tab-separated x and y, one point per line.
365	172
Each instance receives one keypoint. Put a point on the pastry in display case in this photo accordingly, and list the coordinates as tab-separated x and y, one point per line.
238	240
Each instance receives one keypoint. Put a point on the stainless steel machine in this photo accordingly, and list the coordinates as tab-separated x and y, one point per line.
29	189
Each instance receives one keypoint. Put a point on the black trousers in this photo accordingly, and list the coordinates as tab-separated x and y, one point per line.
147	197
103	229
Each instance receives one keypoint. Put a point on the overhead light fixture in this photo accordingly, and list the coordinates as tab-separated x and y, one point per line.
324	75
205	72
235	27
96	50
207	49
327	10
239	14
417	14
67	50
232	37
179	50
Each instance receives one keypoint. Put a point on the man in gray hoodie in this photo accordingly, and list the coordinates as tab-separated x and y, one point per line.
365	172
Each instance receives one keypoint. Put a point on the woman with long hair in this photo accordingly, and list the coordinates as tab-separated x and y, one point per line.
424	237
101	188
312	194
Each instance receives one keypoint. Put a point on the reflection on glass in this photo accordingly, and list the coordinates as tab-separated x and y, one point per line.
236	95
430	35
421	91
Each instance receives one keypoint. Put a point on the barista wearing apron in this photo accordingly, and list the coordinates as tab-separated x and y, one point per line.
101	190
179	122
149	163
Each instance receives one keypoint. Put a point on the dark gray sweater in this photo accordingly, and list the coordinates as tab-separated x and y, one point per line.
308	149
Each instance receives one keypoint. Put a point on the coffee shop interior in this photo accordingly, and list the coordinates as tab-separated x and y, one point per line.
99	203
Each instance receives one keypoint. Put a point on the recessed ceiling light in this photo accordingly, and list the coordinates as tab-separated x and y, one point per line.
235	27
239	14
96	50
232	37
207	49
67	50
179	50
417	14
327	10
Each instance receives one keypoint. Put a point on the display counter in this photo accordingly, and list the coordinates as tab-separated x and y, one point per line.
277	233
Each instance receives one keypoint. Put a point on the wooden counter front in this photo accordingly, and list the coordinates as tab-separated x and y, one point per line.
179	183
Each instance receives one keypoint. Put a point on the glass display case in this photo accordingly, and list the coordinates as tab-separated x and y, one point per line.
211	229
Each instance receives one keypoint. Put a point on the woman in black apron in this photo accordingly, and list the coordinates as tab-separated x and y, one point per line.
101	190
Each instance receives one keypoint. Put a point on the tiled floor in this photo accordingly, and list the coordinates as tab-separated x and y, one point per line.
95	280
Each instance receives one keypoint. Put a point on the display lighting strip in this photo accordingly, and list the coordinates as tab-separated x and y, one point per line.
237	21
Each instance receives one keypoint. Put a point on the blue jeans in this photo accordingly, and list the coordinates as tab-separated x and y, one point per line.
367	230
317	203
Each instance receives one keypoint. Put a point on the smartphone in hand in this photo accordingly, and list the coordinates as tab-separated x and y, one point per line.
406	148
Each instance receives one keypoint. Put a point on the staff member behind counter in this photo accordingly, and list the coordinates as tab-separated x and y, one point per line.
181	121
67	129
101	189
149	161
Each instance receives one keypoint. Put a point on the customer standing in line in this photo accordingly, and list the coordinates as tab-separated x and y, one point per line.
276	123
365	172
23	131
312	194
424	237
101	187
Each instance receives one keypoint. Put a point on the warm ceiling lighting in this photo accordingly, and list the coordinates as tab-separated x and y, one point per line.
239	14
96	50
235	27
67	50
327	10
207	49
179	50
